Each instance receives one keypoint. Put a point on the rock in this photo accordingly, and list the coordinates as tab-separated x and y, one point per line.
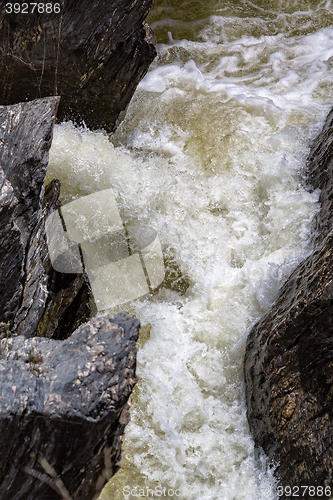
25	135
289	357
53	304
92	54
67	303
37	269
34	298
320	175
64	406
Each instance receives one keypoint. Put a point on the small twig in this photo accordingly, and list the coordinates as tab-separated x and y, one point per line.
42	477
57	61
43	66
11	54
60	485
54	481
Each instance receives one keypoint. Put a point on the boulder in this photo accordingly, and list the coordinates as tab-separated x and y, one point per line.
63	403
92	54
63	409
289	357
320	176
25	134
54	304
30	289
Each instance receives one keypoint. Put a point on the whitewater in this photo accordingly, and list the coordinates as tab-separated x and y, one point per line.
211	154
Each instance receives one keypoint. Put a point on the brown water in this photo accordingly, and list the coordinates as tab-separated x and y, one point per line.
211	155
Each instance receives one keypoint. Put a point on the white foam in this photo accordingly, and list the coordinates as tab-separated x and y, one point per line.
213	146
287	79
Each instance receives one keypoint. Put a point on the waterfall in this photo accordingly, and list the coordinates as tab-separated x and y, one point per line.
211	155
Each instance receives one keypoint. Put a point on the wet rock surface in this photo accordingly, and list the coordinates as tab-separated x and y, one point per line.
25	133
92	54
53	304
320	175
65	397
64	405
289	356
33	296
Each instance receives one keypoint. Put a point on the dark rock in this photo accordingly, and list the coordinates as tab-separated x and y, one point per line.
64	404
67	309
67	305
25	135
320	175
37	269
92	54
289	356
34	298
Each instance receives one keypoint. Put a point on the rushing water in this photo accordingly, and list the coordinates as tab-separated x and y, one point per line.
211	155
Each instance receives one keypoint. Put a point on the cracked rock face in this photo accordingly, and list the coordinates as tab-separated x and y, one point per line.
25	140
92	54
34	298
289	355
65	402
